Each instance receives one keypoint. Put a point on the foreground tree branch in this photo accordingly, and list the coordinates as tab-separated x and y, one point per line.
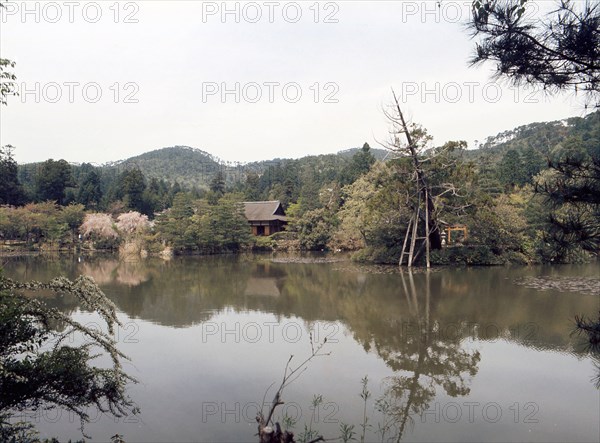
558	53
39	372
269	432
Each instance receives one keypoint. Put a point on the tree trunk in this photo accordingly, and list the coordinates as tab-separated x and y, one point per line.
434	236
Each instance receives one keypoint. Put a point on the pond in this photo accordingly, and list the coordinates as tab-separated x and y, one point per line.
461	354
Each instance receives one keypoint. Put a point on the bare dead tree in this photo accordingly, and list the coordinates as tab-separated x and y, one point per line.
416	139
431	170
271	432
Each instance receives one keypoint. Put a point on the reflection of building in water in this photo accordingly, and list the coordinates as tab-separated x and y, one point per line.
264	286
265	280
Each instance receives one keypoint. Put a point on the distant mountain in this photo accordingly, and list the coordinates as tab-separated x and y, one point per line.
188	166
192	167
540	136
379	154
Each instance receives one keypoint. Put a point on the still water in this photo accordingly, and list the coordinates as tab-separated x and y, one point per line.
479	354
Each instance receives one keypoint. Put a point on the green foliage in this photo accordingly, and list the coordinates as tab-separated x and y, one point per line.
38	371
11	191
51	180
571	189
308	199
222	228
251	189
360	164
39	222
309	434
187	166
200	226
217	184
354	216
379	254
292	180
373	215
344	201
365	394
479	255
175	224
378	206
7	78
557	53
347	433
533	163
591	329
72	215
263	243
518	168
314	229
541	137
511	169
133	185
501	226
90	190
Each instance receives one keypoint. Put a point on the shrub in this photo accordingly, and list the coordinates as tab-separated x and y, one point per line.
263	244
478	255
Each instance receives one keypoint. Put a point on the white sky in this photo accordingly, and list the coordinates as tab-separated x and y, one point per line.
178	49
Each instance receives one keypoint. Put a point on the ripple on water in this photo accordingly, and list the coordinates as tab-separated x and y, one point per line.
582	285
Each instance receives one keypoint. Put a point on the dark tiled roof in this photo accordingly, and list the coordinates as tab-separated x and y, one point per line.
263	211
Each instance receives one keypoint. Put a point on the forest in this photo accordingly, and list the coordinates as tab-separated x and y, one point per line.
524	196
508	192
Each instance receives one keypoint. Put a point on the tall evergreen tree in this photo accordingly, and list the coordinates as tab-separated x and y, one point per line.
252	187
511	169
11	191
52	178
217	185
175	225
309	192
533	163
134	185
90	189
360	164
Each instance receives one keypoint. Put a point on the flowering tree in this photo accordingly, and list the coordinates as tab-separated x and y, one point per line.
132	223
99	228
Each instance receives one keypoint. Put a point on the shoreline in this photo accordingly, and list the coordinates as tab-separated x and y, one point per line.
278	257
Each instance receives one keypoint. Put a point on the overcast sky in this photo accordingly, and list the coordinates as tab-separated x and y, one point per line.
249	81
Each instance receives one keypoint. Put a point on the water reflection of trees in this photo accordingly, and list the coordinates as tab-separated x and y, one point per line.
461	302
418	324
422	359
107	271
